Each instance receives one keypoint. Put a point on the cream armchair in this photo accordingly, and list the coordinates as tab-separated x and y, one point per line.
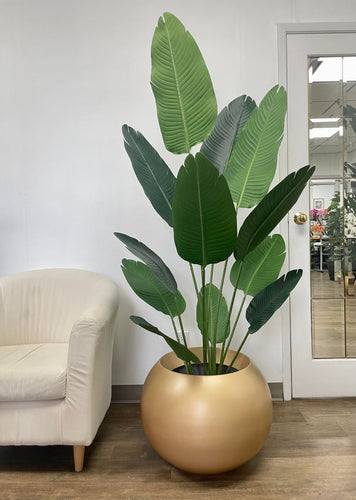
56	339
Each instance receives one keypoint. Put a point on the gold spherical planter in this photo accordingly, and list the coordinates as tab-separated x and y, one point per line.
206	424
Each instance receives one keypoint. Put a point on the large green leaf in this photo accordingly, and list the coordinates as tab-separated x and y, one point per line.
260	267
204	218
152	172
179	349
265	303
253	161
185	99
229	123
153	261
148	287
216	314
271	210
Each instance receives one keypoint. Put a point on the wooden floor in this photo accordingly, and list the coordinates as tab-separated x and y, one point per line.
310	454
334	319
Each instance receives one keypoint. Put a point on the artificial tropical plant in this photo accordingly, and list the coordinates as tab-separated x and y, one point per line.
233	169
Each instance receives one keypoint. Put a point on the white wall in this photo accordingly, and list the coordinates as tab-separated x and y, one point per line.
72	72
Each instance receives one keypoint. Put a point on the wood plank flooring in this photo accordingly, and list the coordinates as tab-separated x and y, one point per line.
310	454
333	320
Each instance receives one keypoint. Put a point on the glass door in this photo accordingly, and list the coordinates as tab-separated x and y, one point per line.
321	89
332	149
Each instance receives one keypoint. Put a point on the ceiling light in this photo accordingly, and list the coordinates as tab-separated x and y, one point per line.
325	132
324	120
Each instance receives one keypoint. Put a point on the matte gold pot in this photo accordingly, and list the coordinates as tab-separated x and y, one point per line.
206	424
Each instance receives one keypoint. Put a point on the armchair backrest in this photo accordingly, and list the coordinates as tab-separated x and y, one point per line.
42	306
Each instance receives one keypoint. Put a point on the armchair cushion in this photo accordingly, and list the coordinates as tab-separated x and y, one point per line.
33	372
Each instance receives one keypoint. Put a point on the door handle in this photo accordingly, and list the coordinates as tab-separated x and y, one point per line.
300	218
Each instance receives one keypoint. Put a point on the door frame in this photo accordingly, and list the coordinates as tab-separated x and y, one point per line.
283	31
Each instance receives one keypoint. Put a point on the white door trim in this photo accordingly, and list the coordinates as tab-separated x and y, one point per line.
283	31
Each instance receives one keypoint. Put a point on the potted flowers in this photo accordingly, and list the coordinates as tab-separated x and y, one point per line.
215	414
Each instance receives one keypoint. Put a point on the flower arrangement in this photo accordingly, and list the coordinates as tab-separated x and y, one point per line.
317	231
316	214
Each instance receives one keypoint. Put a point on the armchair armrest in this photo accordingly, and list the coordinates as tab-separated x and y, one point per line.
89	369
101	307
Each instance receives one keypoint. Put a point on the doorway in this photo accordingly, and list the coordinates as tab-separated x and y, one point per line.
320	77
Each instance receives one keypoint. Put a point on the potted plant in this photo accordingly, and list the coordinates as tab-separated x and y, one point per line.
216	413
334	236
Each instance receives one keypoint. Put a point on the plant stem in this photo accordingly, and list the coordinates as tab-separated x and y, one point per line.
187	365
211	274
175	329
204	332
194	279
182	330
213	347
223	276
237	352
212	365
235	325
223	354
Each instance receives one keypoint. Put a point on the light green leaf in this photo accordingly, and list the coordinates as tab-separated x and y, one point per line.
148	287
214	301
270	211
151	259
264	304
185	99
153	173
179	349
230	121
253	161
204	218
261	266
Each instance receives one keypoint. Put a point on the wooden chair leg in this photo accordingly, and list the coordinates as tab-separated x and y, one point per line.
78	452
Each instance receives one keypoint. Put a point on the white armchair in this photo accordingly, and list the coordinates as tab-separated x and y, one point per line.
56	339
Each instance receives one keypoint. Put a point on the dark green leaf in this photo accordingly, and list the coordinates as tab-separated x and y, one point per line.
152	172
179	349
229	123
185	99
204	218
265	303
214	301
261	266
145	284
253	161
153	261
271	210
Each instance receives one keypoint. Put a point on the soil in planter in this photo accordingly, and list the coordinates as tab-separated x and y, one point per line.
199	369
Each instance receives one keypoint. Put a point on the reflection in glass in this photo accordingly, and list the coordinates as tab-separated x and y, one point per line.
325	69
350	306
332	149
349	232
325	87
326	146
328	284
350	257
326	238
349	79
350	146
328	338
349	213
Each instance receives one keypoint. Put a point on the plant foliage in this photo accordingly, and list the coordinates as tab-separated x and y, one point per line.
234	168
185	98
202	234
252	164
